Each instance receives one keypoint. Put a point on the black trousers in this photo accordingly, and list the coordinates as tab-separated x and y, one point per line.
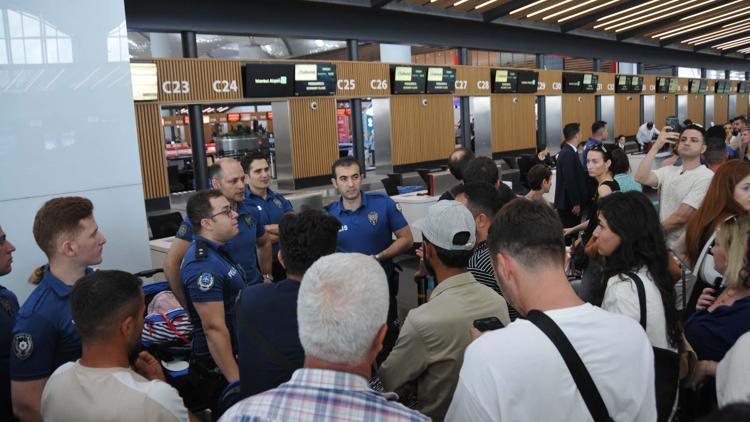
568	219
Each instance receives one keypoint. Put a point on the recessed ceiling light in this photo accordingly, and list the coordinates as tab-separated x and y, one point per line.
578	6
586	11
520	9
548	8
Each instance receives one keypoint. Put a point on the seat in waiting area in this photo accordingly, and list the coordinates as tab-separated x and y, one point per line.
164	225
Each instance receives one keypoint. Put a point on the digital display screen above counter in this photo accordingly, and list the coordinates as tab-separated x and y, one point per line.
144	81
526	81
628	84
674	85
572	82
504	81
590	83
723	86
743	87
266	80
662	85
408	79
441	80
314	79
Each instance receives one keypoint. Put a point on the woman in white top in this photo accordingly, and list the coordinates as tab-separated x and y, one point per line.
631	241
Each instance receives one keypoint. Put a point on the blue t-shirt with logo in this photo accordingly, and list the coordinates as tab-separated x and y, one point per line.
209	274
242	247
271	209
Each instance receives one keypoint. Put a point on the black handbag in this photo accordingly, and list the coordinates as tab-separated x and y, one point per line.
666	363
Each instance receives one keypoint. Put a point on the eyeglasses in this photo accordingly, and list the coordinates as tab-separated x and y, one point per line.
227	211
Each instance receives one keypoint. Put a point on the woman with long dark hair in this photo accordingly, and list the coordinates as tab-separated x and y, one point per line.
631	241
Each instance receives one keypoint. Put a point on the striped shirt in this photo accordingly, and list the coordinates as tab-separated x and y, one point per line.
322	394
480	267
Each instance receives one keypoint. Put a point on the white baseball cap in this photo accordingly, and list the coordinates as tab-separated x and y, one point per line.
446	219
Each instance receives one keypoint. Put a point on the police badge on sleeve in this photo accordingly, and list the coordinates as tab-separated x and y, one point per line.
277	202
23	345
205	282
373	217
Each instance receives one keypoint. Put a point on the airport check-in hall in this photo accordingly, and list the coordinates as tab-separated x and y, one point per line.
472	210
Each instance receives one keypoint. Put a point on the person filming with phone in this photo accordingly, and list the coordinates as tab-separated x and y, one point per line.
682	187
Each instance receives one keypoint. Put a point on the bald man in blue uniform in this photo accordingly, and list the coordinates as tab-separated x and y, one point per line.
368	222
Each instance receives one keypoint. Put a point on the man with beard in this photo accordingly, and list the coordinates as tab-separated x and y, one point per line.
108	308
682	187
430	349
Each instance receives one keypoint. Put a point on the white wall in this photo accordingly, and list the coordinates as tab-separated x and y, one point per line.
67	127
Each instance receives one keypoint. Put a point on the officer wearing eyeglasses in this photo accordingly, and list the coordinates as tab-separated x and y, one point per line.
228	177
212	280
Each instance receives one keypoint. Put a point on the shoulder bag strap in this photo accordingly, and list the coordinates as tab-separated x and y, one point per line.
641	296
581	376
250	330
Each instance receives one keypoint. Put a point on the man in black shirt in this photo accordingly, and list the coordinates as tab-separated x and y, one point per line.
267	332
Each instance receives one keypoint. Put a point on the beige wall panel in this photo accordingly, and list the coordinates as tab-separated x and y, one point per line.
579	108
513	123
421	133
627	114
151	150
314	136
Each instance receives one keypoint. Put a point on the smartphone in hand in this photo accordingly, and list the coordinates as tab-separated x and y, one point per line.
488	324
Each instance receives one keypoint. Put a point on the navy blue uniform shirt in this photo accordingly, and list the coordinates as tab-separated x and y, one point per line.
242	247
271	209
8	311
209	274
272	310
368	229
44	336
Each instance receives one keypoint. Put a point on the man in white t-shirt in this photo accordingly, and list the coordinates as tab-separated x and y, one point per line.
517	373
682	187
646	134
108	309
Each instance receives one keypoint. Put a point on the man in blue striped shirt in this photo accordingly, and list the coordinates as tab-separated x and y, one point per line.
341	310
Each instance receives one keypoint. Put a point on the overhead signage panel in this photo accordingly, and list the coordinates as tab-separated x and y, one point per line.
408	79
269	80
440	80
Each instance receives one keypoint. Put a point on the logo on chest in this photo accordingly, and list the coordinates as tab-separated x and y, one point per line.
343	228
372	217
232	272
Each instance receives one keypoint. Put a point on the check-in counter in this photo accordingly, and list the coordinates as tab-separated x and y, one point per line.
159	249
414	206
309	200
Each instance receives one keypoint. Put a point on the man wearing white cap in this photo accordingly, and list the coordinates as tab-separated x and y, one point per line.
429	351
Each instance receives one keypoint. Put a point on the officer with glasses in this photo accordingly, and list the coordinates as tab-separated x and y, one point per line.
211	280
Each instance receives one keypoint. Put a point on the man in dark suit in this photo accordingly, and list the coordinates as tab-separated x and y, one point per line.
570	180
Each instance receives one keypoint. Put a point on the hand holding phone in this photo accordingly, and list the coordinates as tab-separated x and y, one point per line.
488	324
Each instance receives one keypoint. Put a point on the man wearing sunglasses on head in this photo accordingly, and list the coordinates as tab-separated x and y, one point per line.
211	280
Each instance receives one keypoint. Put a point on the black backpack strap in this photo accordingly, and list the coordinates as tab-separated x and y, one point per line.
581	376
251	331
641	296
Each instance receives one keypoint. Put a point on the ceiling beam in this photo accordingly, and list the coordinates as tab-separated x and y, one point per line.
504	9
592	17
314	20
640	30
721	40
377	4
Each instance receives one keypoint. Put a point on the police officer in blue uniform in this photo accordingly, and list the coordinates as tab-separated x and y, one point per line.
227	176
270	204
44	336
368	223
212	280
8	311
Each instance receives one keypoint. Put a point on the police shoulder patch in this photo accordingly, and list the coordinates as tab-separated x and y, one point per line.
277	202
23	345
398	207
182	231
248	219
205	282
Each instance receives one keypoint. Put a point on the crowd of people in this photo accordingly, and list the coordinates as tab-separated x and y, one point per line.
294	312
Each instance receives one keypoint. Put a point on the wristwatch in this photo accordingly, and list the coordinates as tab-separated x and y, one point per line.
268	277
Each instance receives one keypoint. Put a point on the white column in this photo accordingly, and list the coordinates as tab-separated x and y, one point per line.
69	129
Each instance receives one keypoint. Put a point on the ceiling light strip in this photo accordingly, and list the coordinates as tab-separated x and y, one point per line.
715	35
459	2
702	24
567	18
604	18
662	16
622	18
568	10
521	9
484	4
530	15
710	10
734	43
